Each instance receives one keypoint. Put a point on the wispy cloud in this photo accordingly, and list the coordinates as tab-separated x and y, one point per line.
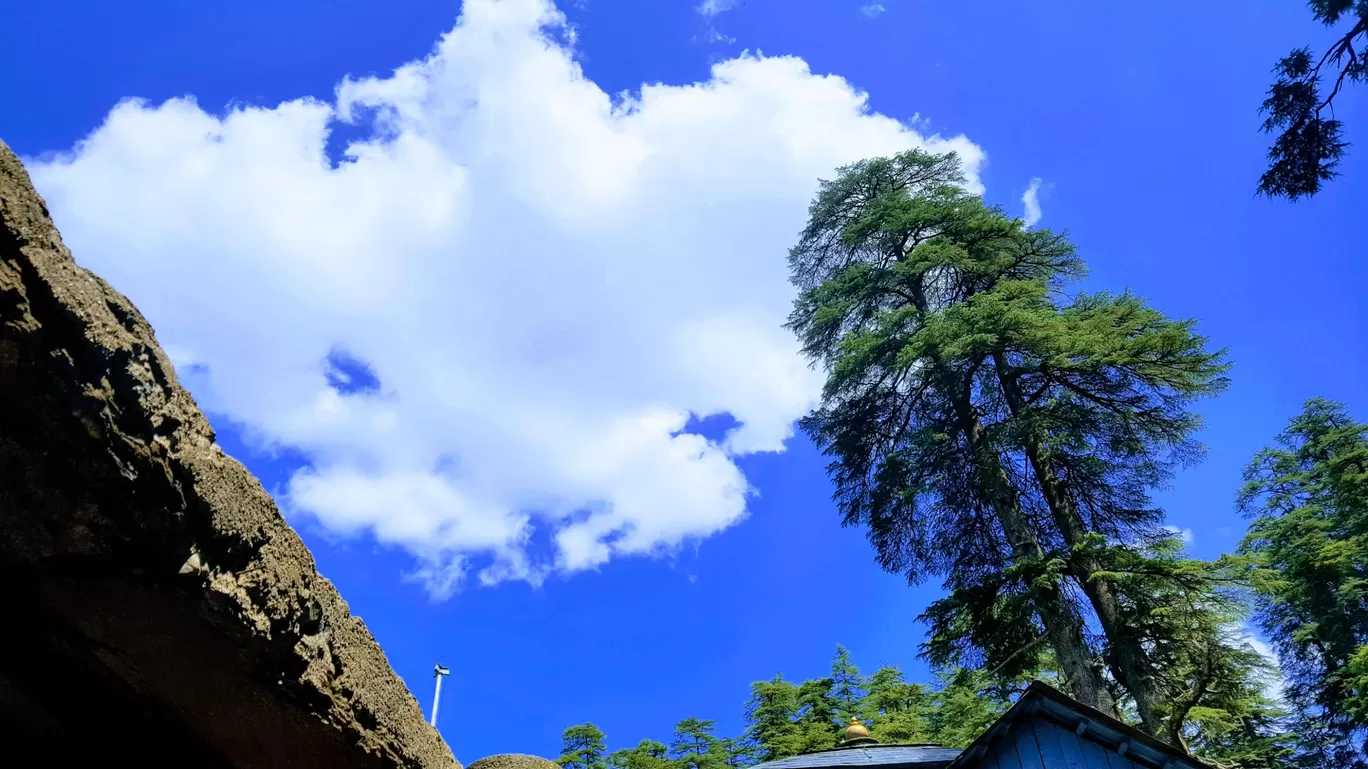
1031	200
871	10
1183	534
1274	683
712	35
711	8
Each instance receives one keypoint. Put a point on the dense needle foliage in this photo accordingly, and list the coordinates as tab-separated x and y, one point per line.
1300	110
1308	496
784	718
993	430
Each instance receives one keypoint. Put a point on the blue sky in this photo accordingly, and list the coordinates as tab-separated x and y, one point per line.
1138	118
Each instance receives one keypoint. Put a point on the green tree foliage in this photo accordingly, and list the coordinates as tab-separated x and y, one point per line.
648	754
735	753
894	710
988	428
1235	726
847	686
1308	497
967	703
1191	615
772	719
818	726
1309	143
696	746
583	748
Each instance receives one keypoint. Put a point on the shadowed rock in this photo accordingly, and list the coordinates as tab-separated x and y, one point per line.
157	607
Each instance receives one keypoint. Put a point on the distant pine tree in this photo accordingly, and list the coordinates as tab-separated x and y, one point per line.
771	719
648	754
583	748
847	686
696	746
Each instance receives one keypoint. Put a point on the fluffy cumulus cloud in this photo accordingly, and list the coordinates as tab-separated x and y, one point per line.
872	10
1030	201
540	285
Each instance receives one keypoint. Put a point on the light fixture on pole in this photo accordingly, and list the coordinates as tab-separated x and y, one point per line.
439	673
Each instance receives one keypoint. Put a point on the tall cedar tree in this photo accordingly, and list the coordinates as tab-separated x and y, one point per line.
847	686
984	427
1308	496
583	748
648	754
967	703
895	710
1191	615
695	745
772	719
817	723
1309	143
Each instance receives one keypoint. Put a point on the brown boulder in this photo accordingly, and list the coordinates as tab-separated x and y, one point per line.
513	761
157	606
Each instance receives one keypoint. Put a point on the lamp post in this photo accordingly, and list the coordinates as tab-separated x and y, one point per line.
439	673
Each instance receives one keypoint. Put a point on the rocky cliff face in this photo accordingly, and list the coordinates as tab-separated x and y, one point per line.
156	606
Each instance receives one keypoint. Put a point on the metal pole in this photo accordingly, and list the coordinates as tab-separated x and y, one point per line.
439	673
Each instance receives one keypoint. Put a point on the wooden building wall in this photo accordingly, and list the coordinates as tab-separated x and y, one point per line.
1035	743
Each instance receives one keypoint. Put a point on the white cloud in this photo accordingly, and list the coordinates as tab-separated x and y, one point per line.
545	283
1274	684
1031	200
872	9
1183	534
714	7
712	35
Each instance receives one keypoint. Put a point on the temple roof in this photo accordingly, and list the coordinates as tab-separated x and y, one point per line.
883	756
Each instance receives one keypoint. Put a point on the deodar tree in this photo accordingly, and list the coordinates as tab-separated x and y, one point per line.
1300	105
991	430
1308	497
582	747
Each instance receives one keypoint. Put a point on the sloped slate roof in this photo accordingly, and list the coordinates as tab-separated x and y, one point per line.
1043	701
883	756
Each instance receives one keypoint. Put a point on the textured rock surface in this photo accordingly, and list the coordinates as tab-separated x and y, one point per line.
156	604
513	761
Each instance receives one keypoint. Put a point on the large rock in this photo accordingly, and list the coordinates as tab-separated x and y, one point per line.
514	761
157	607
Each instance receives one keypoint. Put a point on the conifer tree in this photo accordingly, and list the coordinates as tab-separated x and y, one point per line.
1191	615
913	458
695	745
967	703
817	715
1300	107
583	748
648	754
895	710
1308	496
771	719
735	753
847	686
986	427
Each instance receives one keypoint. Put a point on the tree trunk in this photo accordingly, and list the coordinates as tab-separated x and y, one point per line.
1063	626
1126	658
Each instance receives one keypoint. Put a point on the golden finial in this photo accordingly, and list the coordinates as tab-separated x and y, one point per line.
856	733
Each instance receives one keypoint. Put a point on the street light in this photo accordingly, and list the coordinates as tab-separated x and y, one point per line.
439	673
